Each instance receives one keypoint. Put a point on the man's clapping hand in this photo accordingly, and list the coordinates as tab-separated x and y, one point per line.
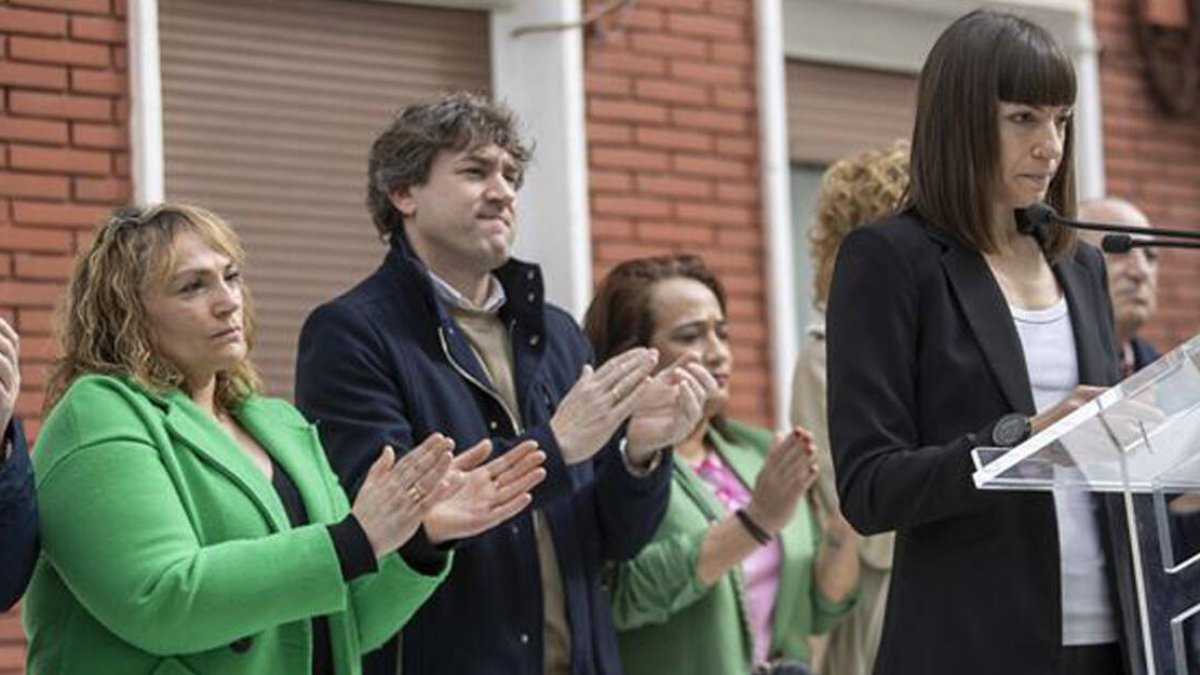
490	492
600	401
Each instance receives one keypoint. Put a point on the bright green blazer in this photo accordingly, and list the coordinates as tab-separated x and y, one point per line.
165	551
668	622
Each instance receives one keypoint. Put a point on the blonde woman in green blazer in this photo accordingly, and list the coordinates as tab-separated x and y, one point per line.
739	574
191	526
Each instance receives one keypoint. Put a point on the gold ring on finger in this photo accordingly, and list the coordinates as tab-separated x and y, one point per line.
616	395
416	494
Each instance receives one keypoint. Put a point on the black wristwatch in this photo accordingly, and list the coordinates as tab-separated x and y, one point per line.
1010	431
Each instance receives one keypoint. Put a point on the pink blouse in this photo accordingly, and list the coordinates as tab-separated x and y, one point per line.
761	568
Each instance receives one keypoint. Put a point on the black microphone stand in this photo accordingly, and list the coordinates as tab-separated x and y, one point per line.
1038	216
1035	219
1123	243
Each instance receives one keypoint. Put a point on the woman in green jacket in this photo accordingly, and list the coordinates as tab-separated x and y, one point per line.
738	575
191	526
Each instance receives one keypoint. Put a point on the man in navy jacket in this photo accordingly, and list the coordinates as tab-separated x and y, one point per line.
452	335
18	508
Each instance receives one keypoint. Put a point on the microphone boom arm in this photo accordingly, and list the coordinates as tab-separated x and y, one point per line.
1118	229
1034	218
1123	243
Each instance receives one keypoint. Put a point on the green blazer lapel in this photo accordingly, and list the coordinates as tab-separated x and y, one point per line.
745	449
787	597
697	491
292	444
187	424
738	447
742	450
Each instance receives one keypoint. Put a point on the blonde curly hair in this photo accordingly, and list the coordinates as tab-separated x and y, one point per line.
855	191
102	326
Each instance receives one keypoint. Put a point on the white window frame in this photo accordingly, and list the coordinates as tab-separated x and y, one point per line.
890	35
540	75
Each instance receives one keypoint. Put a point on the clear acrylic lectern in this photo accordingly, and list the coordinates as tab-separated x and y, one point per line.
1140	443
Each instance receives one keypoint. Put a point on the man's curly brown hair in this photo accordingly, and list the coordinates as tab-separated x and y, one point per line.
855	191
402	155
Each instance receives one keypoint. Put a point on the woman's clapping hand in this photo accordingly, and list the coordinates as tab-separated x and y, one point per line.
789	471
398	494
599	402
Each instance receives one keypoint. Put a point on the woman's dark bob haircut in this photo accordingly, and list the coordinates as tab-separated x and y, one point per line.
982	59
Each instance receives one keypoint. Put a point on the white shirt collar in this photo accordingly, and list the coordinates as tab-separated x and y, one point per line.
449	294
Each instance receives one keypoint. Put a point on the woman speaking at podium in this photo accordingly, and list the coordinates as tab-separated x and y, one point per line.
949	329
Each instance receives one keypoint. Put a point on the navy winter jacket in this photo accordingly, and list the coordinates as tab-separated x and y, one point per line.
386	363
18	518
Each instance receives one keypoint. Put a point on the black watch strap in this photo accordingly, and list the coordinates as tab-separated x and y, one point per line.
1010	430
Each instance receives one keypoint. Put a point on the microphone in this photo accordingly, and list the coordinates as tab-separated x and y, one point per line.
1123	243
1034	219
1040	216
1037	218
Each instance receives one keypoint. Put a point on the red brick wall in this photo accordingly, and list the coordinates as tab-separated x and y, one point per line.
673	158
64	161
1153	160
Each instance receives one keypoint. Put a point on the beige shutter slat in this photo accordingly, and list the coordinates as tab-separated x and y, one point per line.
269	109
834	111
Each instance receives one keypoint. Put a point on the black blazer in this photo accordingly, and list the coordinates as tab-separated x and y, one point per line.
923	359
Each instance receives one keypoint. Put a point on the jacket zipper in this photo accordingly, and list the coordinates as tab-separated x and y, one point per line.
484	388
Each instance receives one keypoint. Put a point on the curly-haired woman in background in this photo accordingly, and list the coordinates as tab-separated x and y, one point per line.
854	191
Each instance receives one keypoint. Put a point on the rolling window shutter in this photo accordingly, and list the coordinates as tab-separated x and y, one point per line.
835	111
269	110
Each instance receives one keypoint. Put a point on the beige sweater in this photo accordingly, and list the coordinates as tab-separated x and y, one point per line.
492	344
